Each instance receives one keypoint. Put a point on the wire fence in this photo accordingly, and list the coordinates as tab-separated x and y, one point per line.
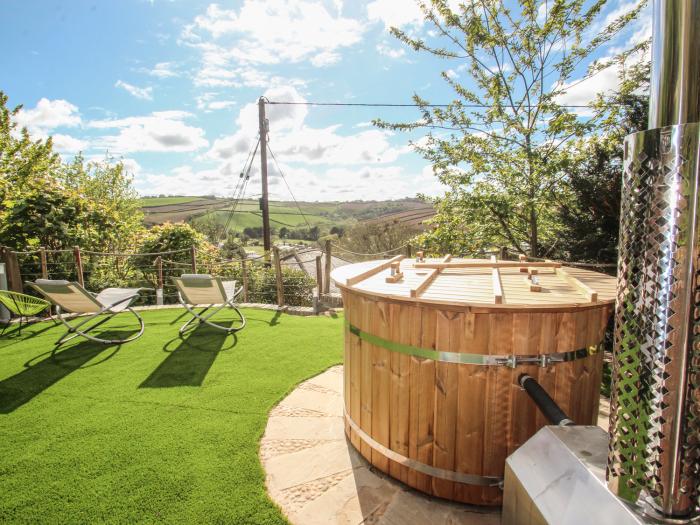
262	280
291	278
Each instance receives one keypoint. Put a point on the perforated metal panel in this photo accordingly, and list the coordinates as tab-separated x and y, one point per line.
654	456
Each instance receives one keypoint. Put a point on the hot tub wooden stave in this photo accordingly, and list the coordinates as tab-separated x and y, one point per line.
446	428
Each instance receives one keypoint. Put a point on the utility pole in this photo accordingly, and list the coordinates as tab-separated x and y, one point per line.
264	204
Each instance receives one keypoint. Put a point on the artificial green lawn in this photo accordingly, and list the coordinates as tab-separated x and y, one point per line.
157	430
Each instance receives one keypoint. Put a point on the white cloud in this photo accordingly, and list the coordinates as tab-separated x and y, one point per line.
326	146
185	180
132	166
213	75
163	70
325	58
349	183
275	31
642	31
207	102
335	183
295	141
163	131
67	144
395	13
142	93
583	91
226	148
48	115
281	116
392	52
622	8
319	163
221	104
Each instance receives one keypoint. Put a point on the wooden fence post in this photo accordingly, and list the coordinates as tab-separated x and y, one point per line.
319	285
319	274
327	276
408	250
193	255
78	265
278	275
244	271
14	276
159	280
44	265
504	253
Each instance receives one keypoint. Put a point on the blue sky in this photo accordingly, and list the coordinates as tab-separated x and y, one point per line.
170	86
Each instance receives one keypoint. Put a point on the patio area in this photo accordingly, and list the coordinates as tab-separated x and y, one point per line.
162	429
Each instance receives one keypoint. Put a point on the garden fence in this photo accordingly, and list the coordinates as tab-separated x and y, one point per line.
279	281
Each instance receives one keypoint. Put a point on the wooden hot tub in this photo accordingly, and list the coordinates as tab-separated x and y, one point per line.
432	358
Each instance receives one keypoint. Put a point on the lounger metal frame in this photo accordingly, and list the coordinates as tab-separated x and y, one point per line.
215	308
74	331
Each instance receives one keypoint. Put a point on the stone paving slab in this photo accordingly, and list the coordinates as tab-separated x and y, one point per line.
317	477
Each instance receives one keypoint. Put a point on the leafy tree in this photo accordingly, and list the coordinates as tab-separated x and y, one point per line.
24	164
108	185
210	227
337	230
253	232
51	217
314	233
174	237
376	237
503	157
233	249
590	219
44	202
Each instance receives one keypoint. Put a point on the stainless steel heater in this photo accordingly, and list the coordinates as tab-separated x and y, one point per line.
654	451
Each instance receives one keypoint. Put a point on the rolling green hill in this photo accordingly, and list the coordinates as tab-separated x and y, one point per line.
158	210
250	216
164	201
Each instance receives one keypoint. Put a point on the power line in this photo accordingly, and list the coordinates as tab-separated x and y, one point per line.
389	105
279	170
239	192
368	104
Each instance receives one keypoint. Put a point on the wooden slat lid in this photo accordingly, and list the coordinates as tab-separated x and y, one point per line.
475	282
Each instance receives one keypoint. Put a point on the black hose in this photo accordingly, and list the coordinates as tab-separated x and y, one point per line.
547	405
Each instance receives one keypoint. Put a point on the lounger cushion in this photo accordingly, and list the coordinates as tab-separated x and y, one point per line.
195	276
52	282
112	295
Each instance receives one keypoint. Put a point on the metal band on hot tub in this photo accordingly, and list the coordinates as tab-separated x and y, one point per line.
449	475
473	359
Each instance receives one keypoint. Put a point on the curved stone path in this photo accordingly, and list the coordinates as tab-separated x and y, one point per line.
316	477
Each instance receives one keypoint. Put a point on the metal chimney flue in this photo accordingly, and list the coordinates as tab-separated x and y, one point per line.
654	455
675	87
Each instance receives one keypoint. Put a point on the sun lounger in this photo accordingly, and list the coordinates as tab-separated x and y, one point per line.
72	298
202	290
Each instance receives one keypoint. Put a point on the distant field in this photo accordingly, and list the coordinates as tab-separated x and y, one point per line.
158	210
250	216
411	218
162	201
